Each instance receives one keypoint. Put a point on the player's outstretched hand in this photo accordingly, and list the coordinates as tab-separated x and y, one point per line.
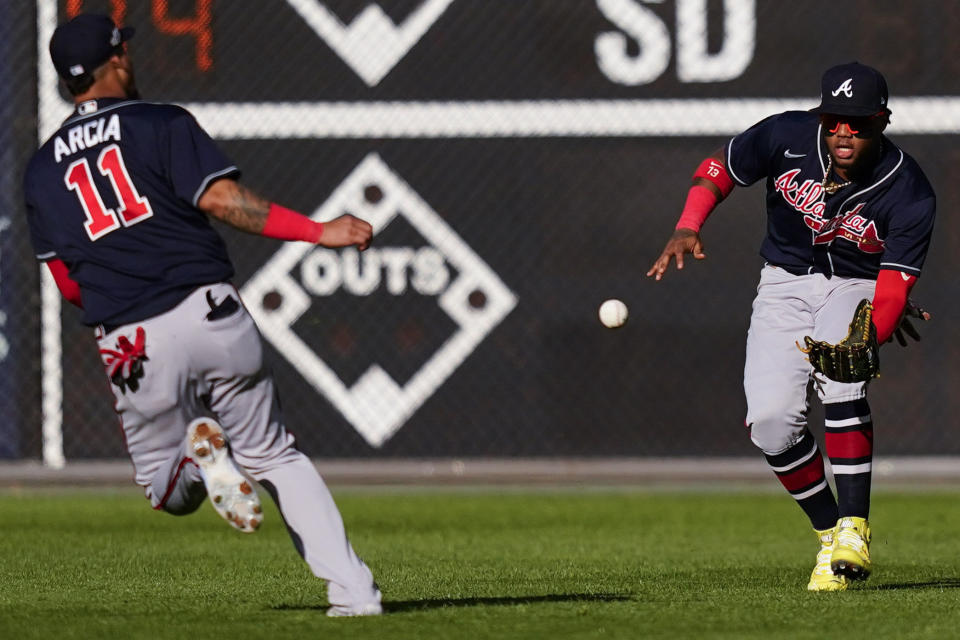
906	328
682	241
346	231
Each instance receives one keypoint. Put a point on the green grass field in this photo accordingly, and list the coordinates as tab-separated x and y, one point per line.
477	564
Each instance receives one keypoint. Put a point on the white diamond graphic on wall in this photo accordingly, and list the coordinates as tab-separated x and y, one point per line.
372	44
376	405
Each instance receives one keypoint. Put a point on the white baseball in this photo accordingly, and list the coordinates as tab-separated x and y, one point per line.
613	313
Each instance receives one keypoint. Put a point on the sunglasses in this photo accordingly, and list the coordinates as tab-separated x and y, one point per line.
859	126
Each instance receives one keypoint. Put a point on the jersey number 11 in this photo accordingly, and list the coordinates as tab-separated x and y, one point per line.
101	220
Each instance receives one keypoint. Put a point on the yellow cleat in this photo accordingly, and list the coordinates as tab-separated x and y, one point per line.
851	552
823	578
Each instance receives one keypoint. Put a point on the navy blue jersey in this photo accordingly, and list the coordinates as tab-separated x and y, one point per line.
113	195
883	221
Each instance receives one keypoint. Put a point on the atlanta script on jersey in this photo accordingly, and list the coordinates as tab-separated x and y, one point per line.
881	222
113	195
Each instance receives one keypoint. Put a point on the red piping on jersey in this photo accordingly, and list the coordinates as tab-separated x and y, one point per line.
67	285
889	301
286	224
173	483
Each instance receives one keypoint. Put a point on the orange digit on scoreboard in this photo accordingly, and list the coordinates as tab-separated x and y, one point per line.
198	25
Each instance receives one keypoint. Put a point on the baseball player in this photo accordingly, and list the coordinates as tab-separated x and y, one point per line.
118	204
849	218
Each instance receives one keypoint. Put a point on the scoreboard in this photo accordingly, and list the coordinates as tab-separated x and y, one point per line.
521	161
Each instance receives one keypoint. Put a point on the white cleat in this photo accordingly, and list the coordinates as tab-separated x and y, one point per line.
341	611
230	492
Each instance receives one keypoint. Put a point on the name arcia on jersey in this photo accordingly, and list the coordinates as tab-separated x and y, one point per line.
85	135
807	199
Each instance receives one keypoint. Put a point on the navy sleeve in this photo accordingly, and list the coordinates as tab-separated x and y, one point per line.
748	154
195	159
43	247
908	237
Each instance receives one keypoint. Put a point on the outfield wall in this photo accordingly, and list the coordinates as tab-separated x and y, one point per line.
521	160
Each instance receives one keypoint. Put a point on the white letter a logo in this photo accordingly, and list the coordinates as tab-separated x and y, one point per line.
846	88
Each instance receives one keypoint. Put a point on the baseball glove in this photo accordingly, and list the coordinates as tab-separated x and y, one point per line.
856	358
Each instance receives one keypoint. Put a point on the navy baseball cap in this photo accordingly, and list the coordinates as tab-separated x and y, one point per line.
852	89
84	43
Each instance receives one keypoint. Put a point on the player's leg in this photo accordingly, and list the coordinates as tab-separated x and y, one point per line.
177	485
849	434
776	383
241	394
178	470
154	417
849	424
318	533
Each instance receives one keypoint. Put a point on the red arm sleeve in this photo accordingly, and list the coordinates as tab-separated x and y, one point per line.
889	301
68	286
701	200
286	224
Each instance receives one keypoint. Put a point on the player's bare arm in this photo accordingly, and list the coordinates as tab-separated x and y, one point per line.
241	208
710	185
231	203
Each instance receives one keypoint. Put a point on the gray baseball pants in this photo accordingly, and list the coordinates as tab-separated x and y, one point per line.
777	374
198	366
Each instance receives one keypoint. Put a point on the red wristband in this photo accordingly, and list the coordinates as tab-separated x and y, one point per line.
716	173
700	202
286	224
